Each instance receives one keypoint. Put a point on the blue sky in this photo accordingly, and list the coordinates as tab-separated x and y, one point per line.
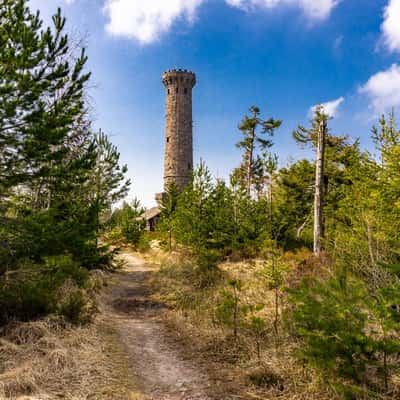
283	55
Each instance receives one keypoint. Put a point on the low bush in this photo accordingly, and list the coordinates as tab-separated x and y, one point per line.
59	286
77	307
347	334
144	243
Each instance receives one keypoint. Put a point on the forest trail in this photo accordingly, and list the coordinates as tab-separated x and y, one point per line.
160	366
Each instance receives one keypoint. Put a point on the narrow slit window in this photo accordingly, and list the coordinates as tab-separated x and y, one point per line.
168	91
185	91
167	139
177	90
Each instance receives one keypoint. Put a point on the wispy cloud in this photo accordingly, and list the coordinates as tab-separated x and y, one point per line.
314	9
383	89
330	108
391	26
337	44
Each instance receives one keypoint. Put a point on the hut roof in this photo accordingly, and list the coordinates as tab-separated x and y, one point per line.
151	213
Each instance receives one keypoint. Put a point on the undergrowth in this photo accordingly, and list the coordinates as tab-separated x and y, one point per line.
59	286
233	313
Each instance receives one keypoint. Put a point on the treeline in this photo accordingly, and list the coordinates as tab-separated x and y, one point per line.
57	177
343	302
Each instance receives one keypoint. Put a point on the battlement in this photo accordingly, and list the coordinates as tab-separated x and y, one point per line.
176	77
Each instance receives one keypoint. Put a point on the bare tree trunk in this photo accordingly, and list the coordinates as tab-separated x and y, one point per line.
235	312
250	163
370	243
170	235
319	176
302	227
270	201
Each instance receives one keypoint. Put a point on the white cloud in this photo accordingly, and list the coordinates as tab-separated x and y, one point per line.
330	108
146	20
314	9
383	89
391	25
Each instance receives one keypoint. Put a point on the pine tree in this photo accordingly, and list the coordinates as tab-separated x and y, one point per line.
254	138
49	205
294	199
56	177
107	184
168	207
193	221
41	94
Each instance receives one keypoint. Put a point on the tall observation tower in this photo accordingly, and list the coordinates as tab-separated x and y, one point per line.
178	161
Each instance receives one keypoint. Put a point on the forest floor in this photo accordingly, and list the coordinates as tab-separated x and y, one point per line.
164	365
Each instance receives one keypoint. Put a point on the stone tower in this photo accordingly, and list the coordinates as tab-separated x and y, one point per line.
178	162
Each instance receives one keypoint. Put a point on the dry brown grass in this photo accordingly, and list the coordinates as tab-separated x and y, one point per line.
48	360
278	374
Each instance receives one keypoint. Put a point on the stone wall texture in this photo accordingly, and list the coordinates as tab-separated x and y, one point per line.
178	161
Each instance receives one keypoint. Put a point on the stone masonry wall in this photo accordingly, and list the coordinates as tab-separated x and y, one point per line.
178	161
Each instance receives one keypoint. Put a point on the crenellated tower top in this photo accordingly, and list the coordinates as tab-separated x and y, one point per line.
179	77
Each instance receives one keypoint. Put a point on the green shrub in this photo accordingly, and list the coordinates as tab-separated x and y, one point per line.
144	243
35	290
25	300
77	307
114	235
346	332
208	258
229	311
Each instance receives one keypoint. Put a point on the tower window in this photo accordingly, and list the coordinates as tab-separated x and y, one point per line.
167	139
168	91
177	90
189	166
185	91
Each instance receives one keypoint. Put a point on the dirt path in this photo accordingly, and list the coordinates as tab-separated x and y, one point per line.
159	363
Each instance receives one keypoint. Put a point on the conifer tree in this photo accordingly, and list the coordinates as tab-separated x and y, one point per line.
41	94
294	198
107	184
168	206
256	133
49	204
